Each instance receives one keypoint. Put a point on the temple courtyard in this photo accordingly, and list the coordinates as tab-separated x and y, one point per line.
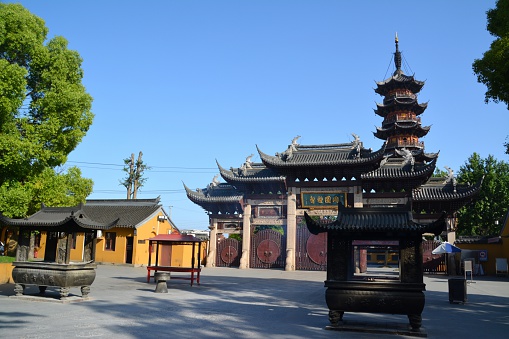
235	303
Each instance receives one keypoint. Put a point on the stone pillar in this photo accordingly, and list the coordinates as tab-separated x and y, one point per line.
211	256
23	245
246	236
291	230
451	227
357	197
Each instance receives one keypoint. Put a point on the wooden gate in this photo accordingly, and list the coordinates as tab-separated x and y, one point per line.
432	263
268	249
228	253
311	250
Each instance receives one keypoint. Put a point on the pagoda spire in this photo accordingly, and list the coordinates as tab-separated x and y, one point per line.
397	57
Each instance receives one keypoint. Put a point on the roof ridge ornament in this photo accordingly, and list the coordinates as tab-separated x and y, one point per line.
246	165
357	144
287	155
408	157
215	182
450	177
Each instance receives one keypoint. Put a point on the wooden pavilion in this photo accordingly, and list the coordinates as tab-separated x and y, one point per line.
56	269
164	245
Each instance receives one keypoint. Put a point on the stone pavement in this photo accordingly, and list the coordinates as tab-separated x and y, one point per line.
233	303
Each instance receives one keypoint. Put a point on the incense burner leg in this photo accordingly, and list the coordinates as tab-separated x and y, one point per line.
415	321
19	289
335	317
85	290
64	292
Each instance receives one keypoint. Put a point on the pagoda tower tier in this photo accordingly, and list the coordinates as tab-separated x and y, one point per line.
402	107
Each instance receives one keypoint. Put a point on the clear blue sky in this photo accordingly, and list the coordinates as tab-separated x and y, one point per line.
189	82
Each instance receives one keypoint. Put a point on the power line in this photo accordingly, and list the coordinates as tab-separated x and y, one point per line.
170	167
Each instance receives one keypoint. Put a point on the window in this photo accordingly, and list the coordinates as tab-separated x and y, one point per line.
110	238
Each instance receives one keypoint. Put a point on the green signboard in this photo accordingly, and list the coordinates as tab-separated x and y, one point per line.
322	199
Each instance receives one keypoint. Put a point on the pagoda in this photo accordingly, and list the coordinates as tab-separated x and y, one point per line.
401	127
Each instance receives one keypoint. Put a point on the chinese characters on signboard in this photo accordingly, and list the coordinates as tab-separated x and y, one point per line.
322	200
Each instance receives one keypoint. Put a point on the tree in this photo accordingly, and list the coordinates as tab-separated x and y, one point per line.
57	189
493	69
439	173
134	180
485	215
44	108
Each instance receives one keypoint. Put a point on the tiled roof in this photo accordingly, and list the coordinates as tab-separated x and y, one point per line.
399	170
441	194
175	238
94	214
367	222
417	129
438	190
383	109
223	198
322	156
60	218
399	80
257	173
477	240
129	212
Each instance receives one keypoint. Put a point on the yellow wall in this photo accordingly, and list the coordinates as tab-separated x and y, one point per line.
140	245
6	273
495	250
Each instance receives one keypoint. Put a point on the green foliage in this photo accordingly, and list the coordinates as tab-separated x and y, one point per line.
235	236
276	228
44	114
493	69
59	189
14	199
439	173
51	188
6	259
490	206
135	171
44	108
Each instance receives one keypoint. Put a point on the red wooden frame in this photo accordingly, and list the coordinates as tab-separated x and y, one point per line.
171	240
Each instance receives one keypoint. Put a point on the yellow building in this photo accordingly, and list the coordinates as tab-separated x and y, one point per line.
138	220
485	250
133	222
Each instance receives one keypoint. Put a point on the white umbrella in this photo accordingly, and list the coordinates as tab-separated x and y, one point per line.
446	247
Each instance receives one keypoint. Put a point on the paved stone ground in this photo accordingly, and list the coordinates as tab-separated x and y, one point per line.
233	303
